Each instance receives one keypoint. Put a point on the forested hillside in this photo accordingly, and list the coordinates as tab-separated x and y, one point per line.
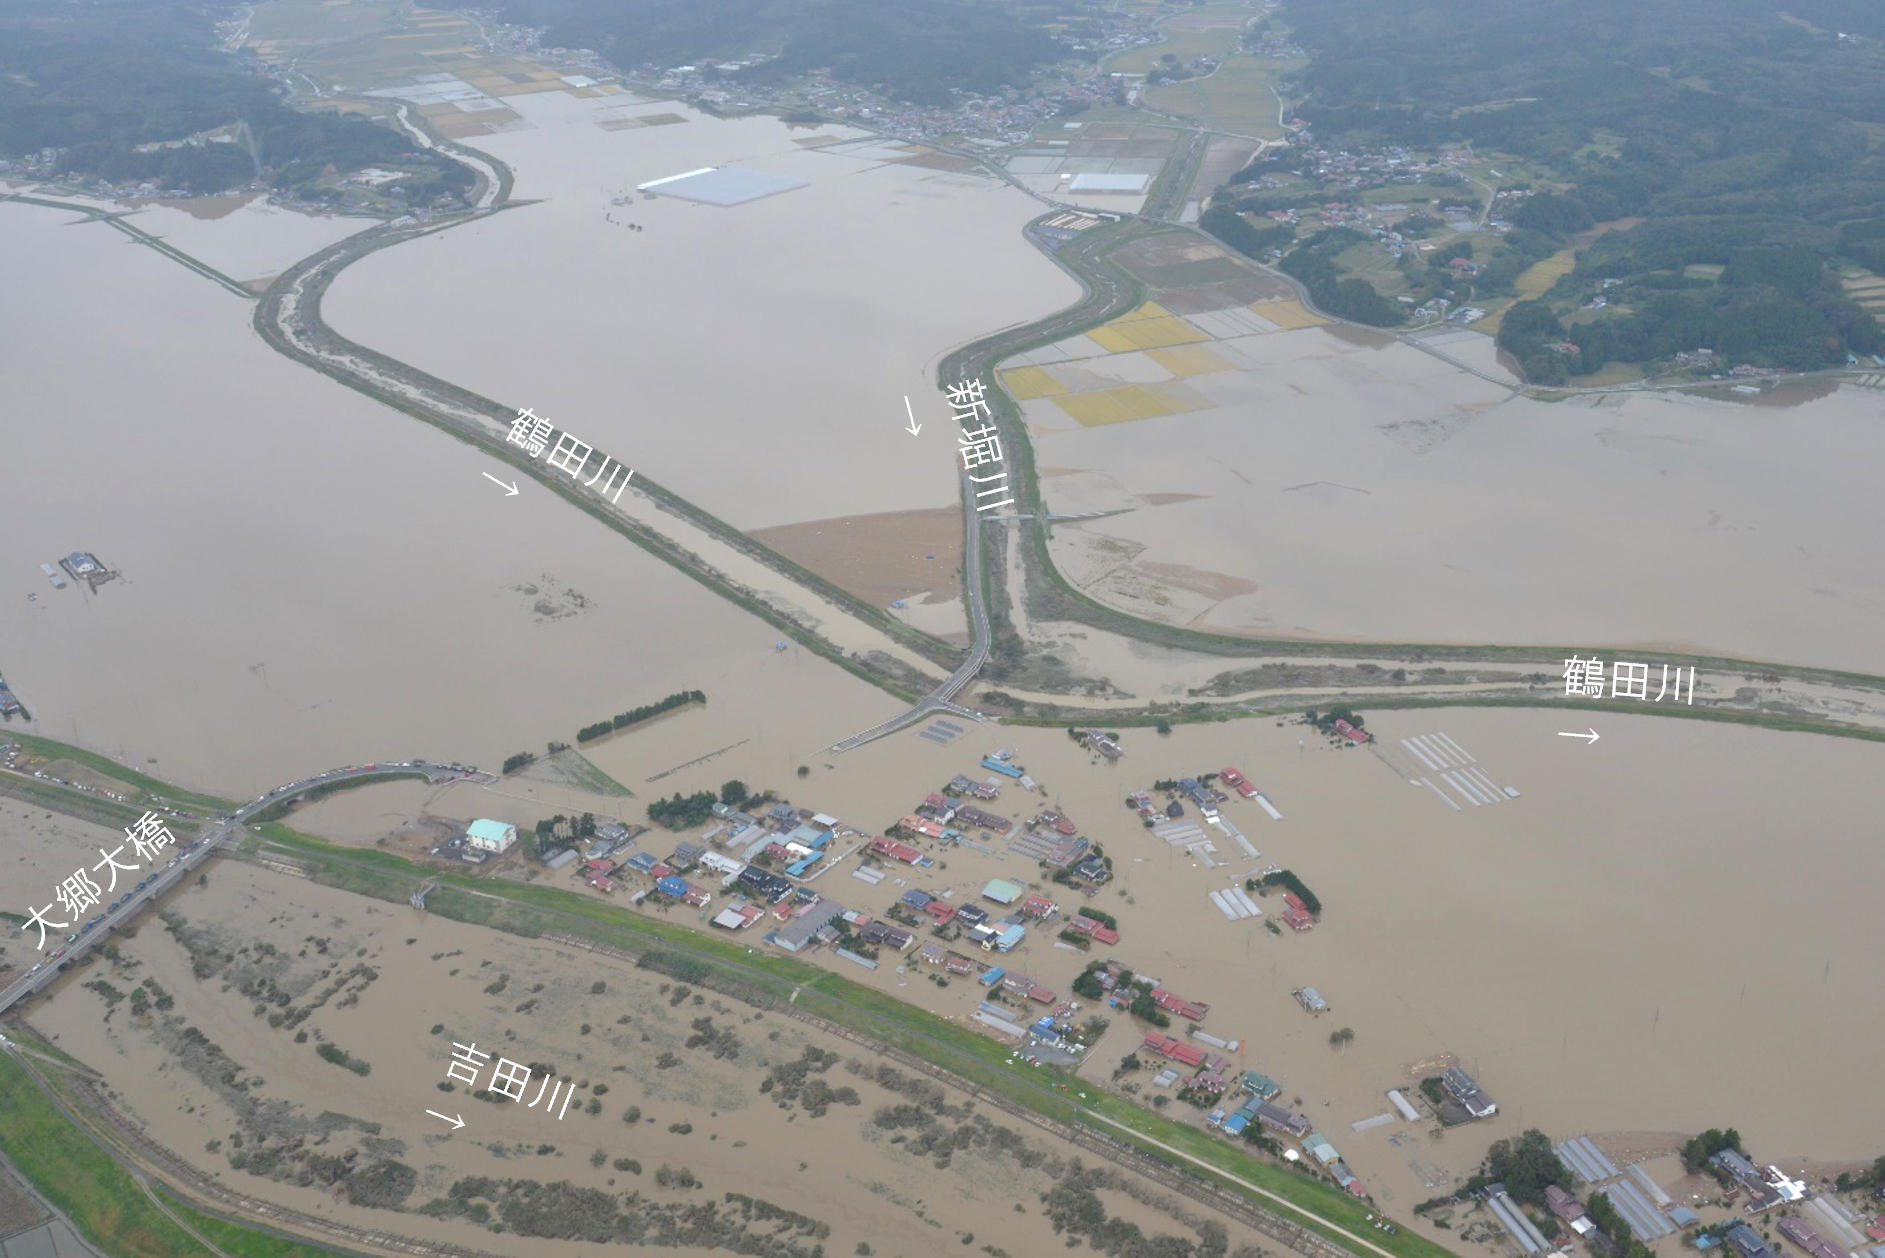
98	78
916	49
1744	134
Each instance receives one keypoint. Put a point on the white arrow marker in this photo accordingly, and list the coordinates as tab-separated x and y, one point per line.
510	491
914	427
455	1122
1589	738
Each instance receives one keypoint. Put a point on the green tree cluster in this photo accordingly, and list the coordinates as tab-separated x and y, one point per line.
679	812
1697	1151
1526	1165
634	716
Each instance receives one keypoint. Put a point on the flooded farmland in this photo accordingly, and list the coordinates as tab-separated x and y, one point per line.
1316	485
310	579
788	328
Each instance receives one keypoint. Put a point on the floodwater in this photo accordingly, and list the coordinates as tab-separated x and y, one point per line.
1608	952
753	358
599	1021
244	237
310	579
1377	494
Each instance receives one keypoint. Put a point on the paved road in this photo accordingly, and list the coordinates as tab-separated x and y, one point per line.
940	699
135	893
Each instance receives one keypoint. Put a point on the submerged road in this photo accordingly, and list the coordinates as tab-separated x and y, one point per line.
126	907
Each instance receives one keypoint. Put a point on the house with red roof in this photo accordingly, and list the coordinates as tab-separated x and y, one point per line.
1296	913
921	825
1177	1050
1177	1005
1039	907
895	851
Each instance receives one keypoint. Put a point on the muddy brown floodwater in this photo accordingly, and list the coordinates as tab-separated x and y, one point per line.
311	579
267	970
1581	946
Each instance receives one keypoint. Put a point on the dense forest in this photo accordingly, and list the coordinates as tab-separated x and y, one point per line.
915	50
99	78
1711	133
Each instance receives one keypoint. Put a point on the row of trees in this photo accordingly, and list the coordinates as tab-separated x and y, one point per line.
634	716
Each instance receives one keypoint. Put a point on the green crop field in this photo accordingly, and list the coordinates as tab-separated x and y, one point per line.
1236	97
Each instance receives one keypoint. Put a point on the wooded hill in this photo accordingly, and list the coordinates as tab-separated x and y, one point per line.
1741	138
914	50
100	78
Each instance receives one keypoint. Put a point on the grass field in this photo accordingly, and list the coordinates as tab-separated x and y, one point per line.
1533	282
1868	290
66	1164
1181	42
572	768
1287	315
1124	337
1236	97
1536	280
47	749
1119	406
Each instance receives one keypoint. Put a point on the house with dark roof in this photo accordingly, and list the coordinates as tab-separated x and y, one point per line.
1467	1093
970	816
768	886
963	785
1568	1208
884	935
1761	1194
1746	1242
1288	1122
1807	1237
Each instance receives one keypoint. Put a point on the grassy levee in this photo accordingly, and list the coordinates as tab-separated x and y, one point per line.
1381	703
1052	596
73	803
157	790
766	978
68	1165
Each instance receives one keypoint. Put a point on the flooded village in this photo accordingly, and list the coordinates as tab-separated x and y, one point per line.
1489	988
